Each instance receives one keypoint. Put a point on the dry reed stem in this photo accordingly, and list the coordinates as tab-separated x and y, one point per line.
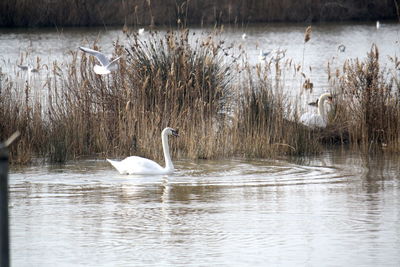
307	34
165	81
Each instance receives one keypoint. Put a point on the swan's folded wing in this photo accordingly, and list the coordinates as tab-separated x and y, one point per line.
136	165
312	120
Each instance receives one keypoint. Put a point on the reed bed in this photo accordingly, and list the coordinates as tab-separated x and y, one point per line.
190	83
265	118
368	103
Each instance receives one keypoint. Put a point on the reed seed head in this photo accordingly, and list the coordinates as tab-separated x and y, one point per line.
307	34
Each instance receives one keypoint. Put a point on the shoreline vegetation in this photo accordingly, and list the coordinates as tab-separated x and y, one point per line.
222	106
59	13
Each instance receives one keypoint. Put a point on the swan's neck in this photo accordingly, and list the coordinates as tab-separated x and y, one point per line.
321	107
167	156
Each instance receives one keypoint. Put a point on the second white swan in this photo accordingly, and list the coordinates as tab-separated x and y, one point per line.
139	165
319	119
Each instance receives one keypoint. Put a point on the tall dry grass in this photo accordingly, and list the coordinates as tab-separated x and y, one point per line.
189	82
265	117
161	82
368	103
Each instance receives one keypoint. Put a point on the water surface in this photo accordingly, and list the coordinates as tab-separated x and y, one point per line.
54	44
338	209
333	210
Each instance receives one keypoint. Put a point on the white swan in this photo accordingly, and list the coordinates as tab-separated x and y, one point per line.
141	31
139	165
244	36
106	66
319	119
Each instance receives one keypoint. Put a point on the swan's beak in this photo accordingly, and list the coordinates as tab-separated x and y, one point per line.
175	133
314	104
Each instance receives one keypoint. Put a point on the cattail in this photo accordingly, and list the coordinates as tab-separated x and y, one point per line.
307	34
125	29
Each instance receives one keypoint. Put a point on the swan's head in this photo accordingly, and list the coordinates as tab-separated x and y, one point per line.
325	97
170	131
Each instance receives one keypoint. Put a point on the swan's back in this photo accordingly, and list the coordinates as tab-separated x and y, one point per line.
313	120
137	165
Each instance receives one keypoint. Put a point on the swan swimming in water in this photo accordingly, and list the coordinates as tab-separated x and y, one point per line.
106	66
319	119
139	165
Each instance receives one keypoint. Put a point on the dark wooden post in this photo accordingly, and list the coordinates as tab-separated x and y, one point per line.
4	232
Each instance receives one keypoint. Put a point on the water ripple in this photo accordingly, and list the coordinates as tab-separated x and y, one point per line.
261	173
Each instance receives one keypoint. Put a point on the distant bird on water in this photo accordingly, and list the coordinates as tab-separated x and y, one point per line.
106	66
263	55
29	69
341	48
244	36
141	31
378	25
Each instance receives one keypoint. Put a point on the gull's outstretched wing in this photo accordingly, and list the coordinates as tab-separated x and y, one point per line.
100	56
113	64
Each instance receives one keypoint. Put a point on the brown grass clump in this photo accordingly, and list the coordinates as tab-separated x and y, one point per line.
368	106
188	82
173	83
263	125
20	110
163	82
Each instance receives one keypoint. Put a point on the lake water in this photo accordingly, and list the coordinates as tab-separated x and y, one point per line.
337	209
52	44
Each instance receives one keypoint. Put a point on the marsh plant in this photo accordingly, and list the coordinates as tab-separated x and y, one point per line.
163	81
188	82
265	117
368	103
